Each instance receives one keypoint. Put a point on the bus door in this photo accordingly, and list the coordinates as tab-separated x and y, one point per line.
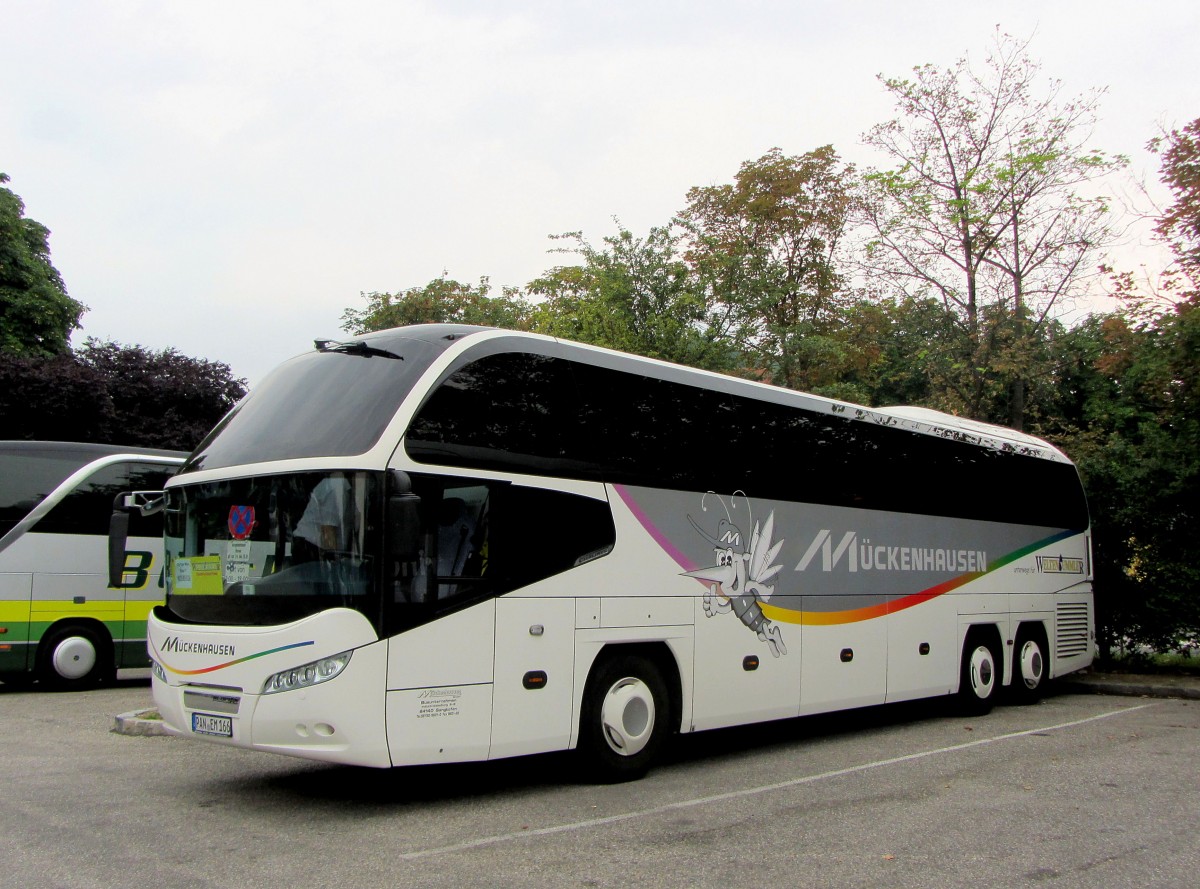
16	589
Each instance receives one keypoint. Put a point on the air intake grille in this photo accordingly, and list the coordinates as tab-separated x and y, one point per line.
1071	629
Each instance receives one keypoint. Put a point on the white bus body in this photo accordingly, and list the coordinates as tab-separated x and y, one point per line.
443	543
61	620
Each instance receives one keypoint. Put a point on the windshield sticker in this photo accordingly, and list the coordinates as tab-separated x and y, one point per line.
241	521
198	576
237	561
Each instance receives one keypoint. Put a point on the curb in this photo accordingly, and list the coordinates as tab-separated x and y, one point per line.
142	723
1129	689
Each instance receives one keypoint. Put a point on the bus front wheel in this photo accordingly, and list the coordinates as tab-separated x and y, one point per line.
73	657
626	714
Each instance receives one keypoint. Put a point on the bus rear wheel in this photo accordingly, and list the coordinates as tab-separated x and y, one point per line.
626	715
1029	668
979	684
74	657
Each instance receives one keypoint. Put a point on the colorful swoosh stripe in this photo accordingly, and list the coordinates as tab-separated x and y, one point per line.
851	615
158	657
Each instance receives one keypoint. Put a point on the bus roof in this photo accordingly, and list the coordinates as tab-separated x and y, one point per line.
83	451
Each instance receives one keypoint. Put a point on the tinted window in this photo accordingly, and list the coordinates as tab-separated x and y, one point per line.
323	404
27	479
484	538
640	429
553	417
511	411
88	508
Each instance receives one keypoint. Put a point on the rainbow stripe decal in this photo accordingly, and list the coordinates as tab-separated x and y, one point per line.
158	657
852	615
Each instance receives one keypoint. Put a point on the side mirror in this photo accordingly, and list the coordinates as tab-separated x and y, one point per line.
118	533
145	503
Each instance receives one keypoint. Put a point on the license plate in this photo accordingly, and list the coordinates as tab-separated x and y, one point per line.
204	724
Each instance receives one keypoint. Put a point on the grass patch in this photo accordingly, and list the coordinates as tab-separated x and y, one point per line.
1174	663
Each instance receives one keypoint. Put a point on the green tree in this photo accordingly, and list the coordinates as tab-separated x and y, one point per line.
36	315
765	250
633	294
984	209
442	301
1130	417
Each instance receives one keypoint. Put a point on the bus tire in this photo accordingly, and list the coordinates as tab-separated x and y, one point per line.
74	657
1030	666
982	673
16	680
626	717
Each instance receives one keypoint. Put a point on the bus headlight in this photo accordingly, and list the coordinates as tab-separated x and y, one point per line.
307	675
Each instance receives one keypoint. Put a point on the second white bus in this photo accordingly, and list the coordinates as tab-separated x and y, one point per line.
63	621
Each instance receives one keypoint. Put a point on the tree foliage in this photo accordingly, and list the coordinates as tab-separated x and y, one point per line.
441	301
109	393
54	398
1133	426
1179	226
979	234
764	251
986	208
633	294
36	315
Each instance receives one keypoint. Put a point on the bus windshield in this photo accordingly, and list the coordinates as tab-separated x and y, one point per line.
267	550
326	403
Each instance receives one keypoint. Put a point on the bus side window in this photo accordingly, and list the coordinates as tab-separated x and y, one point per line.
462	526
88	508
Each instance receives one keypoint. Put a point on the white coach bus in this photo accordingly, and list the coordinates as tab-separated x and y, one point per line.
63	621
444	543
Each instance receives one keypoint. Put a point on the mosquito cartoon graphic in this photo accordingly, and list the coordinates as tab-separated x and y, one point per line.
738	580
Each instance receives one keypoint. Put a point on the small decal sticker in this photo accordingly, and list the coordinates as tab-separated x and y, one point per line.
241	521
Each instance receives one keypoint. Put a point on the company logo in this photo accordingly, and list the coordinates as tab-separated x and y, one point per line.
173	644
1059	565
866	555
438	694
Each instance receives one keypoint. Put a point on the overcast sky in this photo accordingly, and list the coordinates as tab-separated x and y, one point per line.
226	178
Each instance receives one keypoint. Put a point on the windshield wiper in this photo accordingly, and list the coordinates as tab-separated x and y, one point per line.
353	348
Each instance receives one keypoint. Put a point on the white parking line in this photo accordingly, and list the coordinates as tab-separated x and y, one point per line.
749	791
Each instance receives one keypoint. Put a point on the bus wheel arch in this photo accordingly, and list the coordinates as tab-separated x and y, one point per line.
75	654
982	670
1031	663
631	704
